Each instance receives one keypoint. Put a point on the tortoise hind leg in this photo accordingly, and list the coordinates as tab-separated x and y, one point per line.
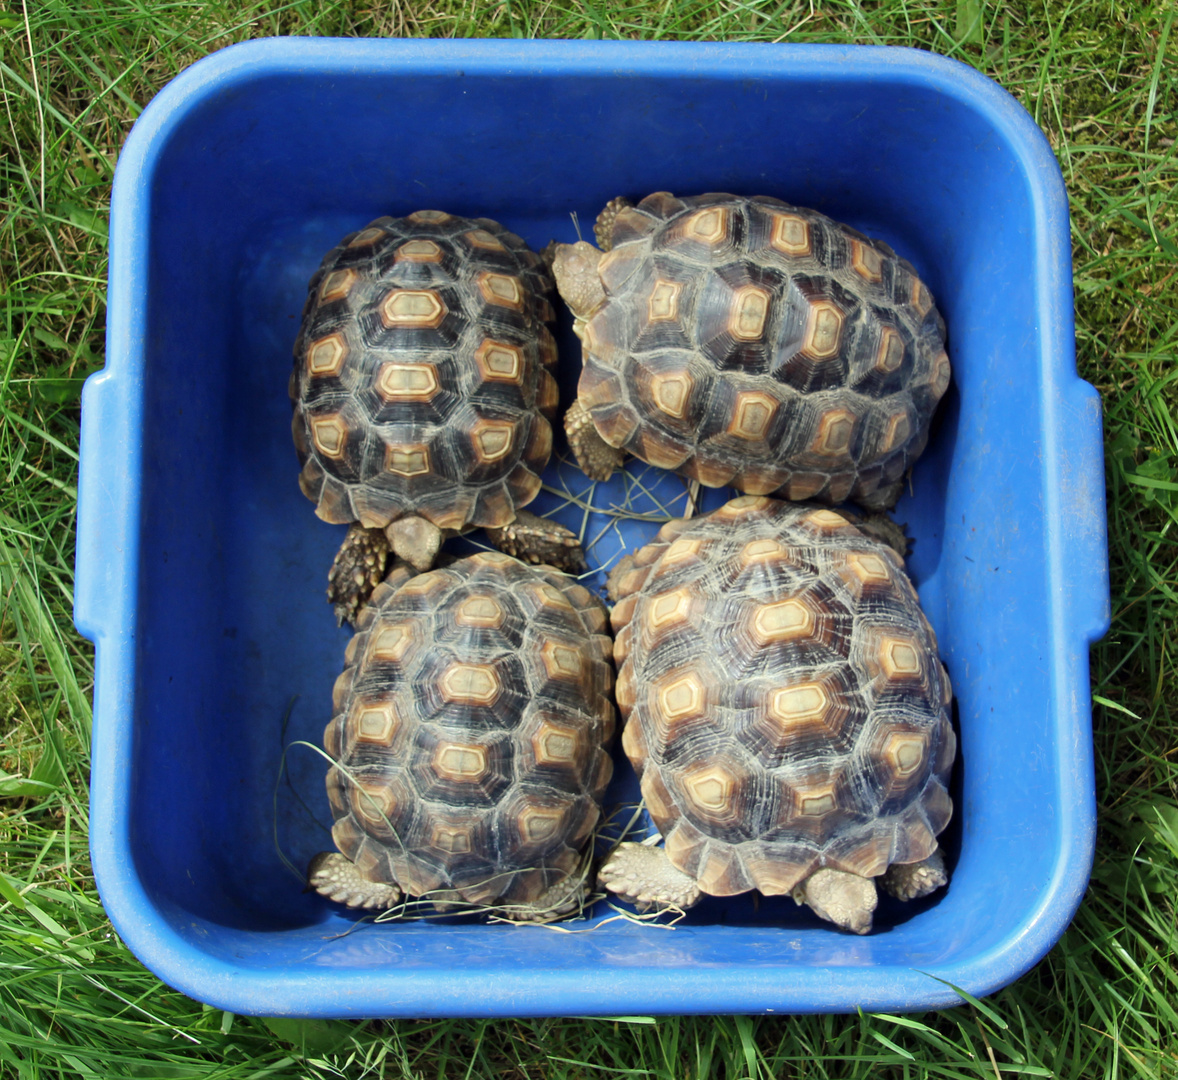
908	881
336	877
358	568
564	898
537	540
883	498
882	528
645	877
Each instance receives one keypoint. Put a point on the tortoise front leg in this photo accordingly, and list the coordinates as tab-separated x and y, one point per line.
595	457
603	227
574	266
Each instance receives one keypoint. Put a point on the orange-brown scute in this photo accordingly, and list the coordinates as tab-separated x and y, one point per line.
471	731
419	384
747	341
785	704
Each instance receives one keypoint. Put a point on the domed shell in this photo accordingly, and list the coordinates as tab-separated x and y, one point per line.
748	342
420	383
470	731
785	706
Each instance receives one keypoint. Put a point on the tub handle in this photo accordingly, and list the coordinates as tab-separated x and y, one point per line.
109	473
1083	524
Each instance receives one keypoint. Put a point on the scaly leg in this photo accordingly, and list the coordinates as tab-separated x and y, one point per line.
337	878
596	458
564	898
643	876
907	881
358	568
537	540
603	227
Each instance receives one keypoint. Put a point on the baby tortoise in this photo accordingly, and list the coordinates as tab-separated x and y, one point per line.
751	343
786	711
423	396
470	737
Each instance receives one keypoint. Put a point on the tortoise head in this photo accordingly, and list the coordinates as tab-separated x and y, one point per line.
577	279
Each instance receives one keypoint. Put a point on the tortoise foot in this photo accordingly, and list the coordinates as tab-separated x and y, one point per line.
908	881
596	458
337	878
358	568
643	876
882	498
537	540
603	227
882	528
566	897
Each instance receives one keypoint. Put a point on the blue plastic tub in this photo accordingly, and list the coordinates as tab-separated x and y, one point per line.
201	567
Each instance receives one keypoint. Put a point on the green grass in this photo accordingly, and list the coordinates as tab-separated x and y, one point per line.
1098	77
